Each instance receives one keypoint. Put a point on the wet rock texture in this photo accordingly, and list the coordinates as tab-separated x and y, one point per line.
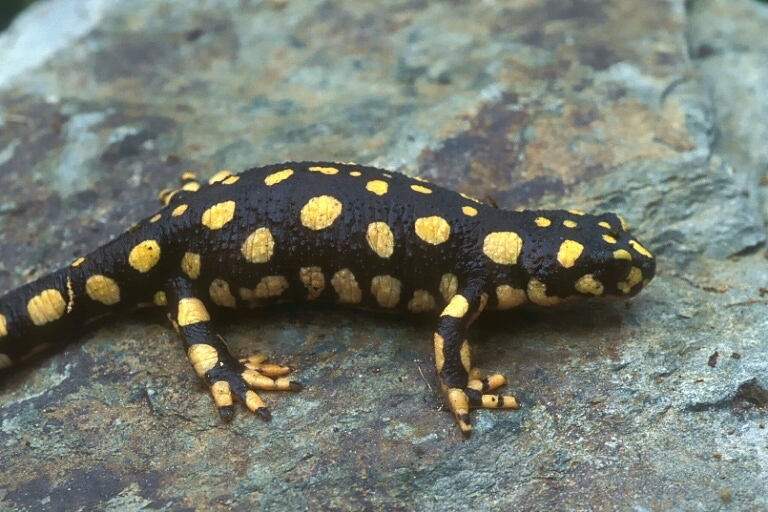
656	110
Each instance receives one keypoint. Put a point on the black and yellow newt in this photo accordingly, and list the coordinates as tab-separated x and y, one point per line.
341	233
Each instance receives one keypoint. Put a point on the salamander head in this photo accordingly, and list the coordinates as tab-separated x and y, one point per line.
573	255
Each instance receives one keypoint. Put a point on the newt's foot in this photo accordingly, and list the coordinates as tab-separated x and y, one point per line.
476	396
239	379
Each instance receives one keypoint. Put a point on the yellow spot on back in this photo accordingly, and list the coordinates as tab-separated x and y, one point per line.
277	177
537	293
355	173
569	223
422	301
569	252
449	285
3	326
639	248
179	210
269	286
543	222
46	307
635	277
622	254
386	289
190	264
469	211
192	311
588	284
78	262
203	358
419	178
144	256
313	280
433	230
457	308
510	297
5	361
346	286
624	224
156	217
420	189
465	196
103	289
503	247
380	239
160	299
259	246
325	170
609	239
221	295
320	212
192	186
576	212
604	224
378	187
219	176
218	215
230	180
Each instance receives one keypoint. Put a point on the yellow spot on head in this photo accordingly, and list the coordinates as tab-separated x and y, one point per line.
325	170
469	211
144	256
588	284
634	277
569	252
192	186
576	212
433	230
203	358
449	285
192	311
313	280
320	212
190	264
569	223
422	301
386	289
188	176
230	180
277	177
604	224
543	222
3	326
5	361
78	262
259	246
156	217
103	289
346	286
609	239
624	224
218	215
503	247
219	176
378	187
355	173
380	239
46	307
420	189
457	308
160	299
465	196
419	178
509	297
622	254
220	294
179	210
639	248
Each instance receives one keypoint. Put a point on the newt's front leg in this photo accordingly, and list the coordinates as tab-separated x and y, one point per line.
212	360
463	385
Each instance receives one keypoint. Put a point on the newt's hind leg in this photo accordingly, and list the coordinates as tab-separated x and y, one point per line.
464	385
227	376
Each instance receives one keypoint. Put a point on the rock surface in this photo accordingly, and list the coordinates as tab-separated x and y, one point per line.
655	110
